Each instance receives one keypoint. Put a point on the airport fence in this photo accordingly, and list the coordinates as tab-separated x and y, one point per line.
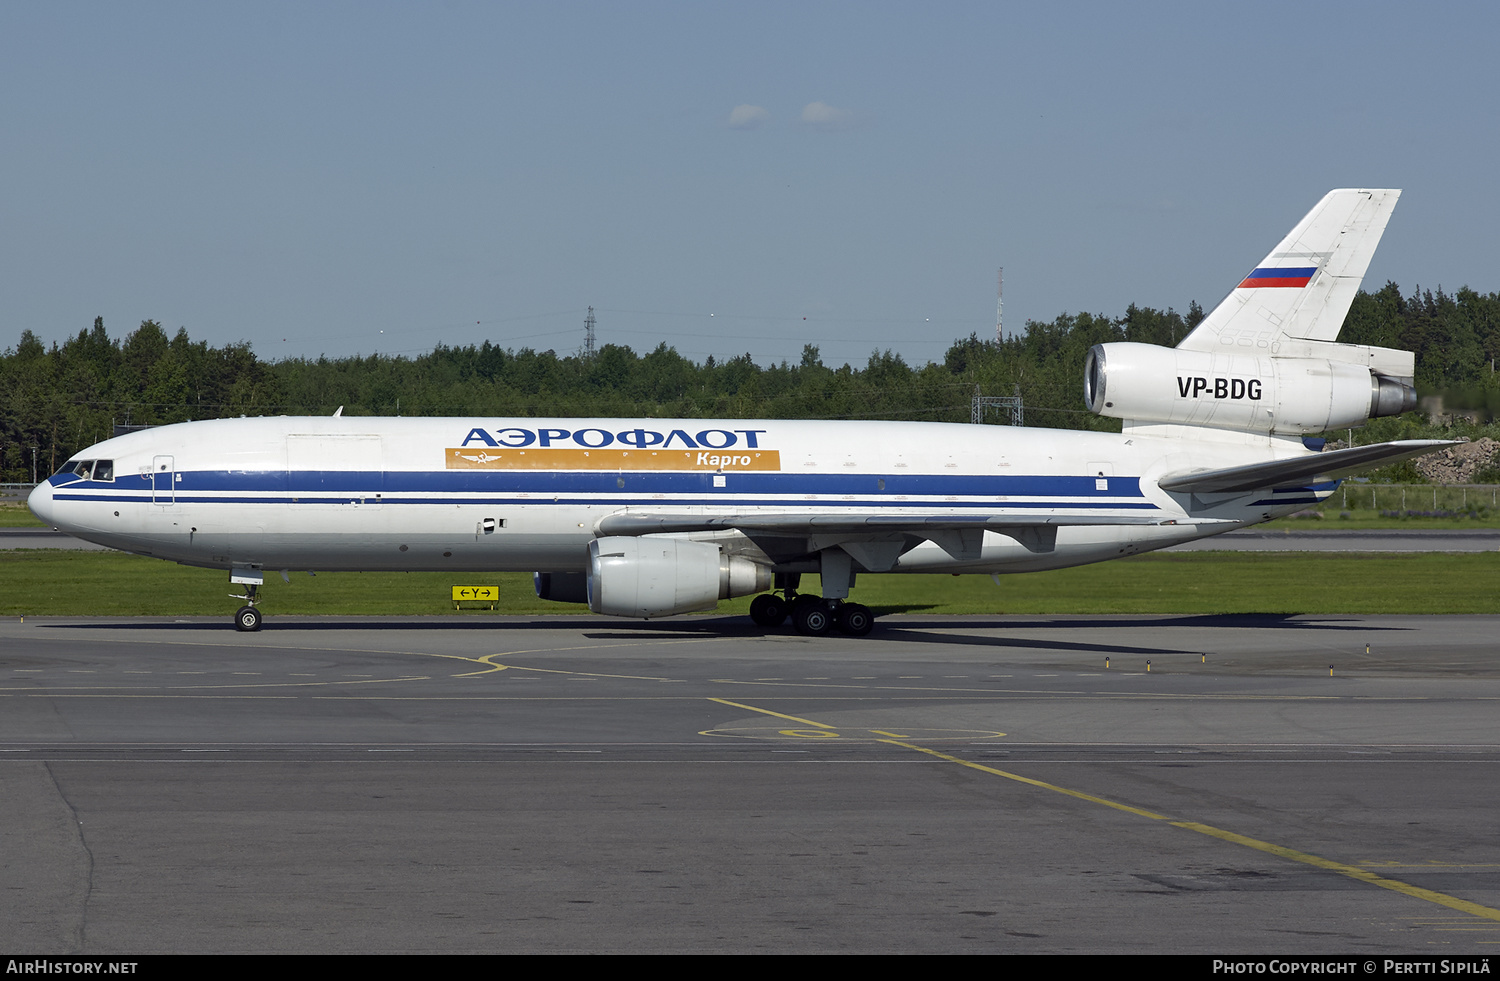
1423	498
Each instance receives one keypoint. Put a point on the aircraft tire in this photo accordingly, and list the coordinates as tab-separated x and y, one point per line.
812	619
855	619
768	610
247	619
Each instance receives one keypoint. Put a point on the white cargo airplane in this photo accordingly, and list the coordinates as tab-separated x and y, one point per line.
652	517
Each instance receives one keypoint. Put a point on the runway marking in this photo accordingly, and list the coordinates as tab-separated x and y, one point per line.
110	691
491	666
1280	851
1086	693
577	675
789	718
485	659
927	691
1028	780
1405	888
965	736
1430	865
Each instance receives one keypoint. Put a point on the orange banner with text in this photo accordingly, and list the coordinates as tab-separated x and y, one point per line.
567	458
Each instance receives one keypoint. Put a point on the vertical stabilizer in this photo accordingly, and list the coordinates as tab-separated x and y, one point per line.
1303	289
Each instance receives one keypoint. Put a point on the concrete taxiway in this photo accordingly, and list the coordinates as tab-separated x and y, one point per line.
31	538
951	784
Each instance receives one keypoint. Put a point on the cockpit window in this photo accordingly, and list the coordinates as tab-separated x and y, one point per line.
97	469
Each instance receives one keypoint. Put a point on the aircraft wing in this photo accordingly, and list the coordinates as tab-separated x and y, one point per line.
783	523
875	540
1299	470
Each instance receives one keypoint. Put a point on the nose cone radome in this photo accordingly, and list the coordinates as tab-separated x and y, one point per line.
40	502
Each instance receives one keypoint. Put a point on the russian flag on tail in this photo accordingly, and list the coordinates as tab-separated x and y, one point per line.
1272	277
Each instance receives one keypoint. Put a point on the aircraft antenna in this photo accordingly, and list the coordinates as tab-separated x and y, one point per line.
588	335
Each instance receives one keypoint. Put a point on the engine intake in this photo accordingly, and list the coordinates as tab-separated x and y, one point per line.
561	587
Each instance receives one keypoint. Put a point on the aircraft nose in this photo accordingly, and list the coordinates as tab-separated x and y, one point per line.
40	502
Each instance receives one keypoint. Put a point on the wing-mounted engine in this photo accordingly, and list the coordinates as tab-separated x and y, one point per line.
658	577
1335	386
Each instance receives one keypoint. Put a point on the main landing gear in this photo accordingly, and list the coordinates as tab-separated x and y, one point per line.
812	615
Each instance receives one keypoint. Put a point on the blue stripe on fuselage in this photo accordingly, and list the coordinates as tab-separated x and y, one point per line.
717	502
685	489
652	482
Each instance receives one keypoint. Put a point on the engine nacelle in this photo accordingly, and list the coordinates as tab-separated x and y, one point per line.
1290	396
657	577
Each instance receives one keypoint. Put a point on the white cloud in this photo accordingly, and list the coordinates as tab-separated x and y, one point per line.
820	115
747	117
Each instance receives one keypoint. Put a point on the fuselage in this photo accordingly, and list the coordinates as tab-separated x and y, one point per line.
369	493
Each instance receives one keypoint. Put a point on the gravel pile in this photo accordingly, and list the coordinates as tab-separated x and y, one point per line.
1457	464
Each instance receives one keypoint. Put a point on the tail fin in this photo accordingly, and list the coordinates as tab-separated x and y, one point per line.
1303	289
1266	360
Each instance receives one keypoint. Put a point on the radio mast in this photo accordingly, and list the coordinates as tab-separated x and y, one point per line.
588	335
1000	305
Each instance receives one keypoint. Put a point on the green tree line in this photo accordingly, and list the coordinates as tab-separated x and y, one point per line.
62	398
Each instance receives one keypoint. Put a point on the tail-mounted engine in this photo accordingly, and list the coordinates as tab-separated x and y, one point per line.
1144	383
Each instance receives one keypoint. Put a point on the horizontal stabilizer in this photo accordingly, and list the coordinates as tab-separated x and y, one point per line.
1301	469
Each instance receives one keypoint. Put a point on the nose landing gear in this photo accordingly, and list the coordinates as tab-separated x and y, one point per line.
247	617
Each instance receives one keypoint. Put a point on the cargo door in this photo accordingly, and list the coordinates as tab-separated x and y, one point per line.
344	469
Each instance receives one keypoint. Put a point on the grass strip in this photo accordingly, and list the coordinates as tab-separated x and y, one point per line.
68	583
18	515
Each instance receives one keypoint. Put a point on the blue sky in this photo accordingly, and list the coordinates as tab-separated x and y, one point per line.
340	178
